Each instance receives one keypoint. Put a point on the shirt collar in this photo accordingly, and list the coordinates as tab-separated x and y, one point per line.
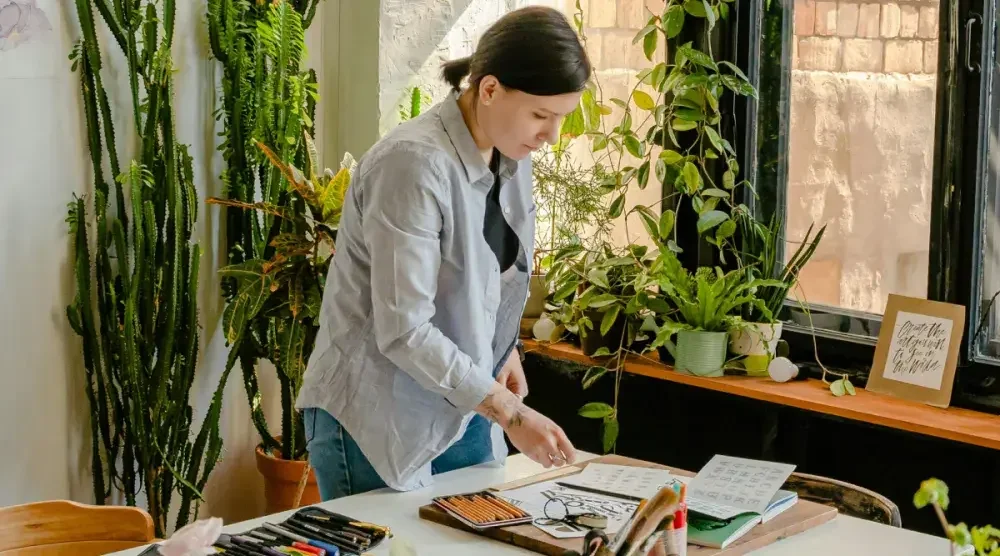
454	125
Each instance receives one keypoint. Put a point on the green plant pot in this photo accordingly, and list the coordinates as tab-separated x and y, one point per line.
757	342
701	353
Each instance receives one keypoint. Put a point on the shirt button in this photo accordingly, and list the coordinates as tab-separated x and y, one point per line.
506	210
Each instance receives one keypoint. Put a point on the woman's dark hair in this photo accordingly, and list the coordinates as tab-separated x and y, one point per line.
534	50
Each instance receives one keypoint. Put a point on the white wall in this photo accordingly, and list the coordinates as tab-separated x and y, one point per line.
44	419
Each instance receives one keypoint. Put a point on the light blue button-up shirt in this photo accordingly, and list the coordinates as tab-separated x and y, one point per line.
416	317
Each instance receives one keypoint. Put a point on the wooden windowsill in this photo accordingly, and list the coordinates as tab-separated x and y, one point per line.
960	425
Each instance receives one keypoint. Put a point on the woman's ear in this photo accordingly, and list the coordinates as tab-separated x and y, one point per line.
489	87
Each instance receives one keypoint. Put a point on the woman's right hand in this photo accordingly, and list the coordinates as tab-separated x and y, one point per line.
532	433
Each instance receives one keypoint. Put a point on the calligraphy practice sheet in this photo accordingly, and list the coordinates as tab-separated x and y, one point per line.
918	352
638	482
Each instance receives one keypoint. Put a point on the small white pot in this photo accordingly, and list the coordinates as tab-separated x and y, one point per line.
757	341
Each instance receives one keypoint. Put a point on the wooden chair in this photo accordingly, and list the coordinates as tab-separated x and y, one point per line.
849	499
61	528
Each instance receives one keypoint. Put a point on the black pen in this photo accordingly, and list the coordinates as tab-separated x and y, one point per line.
343	528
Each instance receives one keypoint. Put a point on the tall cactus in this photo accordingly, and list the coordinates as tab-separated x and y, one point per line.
267	97
138	318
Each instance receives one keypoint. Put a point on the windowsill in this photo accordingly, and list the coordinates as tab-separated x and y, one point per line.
957	424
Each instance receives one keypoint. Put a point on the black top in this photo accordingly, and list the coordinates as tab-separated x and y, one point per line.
498	233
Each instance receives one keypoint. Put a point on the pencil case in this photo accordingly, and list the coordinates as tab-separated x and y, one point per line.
482	510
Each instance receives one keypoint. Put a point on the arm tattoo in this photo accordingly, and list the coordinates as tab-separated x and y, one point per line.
496	410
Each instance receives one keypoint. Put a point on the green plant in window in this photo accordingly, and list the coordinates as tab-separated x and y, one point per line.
680	102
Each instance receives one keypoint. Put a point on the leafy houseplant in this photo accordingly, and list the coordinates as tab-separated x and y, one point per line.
268	98
760	256
985	540
139	321
708	303
286	289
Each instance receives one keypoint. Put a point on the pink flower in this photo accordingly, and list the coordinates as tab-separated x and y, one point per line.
194	539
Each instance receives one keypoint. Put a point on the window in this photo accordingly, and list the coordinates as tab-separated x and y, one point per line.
860	126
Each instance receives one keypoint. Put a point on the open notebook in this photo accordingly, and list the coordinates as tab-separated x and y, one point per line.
730	496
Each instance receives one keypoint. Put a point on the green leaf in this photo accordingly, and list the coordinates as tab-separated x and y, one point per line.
683	125
932	491
673	21
609	433
657	76
725	230
643	101
564	291
661	170
837	387
667	223
616	206
698	57
600	143
619	102
643	174
849	387
634	147
709	14
710	220
649	221
601	301
591	111
695	7
689	115
610	316
647	30
692	178
596	410
723	11
728	180
649	45
573	124
671	157
602	352
595	373
714	192
672	245
714	137
599	277
739	86
736	70
710	154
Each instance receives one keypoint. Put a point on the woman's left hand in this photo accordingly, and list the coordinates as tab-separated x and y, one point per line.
512	375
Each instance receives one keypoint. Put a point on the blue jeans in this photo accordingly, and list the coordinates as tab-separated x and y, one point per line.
342	470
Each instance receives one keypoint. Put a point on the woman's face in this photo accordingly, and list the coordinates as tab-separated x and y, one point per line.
518	123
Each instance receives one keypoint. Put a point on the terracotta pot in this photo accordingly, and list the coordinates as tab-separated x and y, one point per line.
281	480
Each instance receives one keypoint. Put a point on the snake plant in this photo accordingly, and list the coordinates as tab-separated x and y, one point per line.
135	307
268	99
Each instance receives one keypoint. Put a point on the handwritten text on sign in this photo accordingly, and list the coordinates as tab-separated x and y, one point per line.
919	350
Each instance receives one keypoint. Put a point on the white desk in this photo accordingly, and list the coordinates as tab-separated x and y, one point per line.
398	510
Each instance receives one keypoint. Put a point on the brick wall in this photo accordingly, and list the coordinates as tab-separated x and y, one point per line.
879	37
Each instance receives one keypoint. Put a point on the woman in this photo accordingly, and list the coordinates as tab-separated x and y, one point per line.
415	370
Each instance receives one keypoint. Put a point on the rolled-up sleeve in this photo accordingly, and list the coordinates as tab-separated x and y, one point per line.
402	219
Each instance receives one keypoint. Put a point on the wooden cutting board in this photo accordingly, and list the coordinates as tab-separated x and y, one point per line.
802	516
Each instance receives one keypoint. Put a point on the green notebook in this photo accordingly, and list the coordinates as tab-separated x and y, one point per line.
706	530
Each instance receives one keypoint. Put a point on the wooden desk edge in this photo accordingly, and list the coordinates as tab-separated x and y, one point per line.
957	424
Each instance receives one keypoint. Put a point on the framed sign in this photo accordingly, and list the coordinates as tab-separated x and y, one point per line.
917	351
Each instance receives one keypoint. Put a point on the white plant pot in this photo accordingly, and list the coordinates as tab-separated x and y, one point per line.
757	342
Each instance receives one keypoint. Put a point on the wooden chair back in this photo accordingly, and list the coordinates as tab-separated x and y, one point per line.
61	528
849	499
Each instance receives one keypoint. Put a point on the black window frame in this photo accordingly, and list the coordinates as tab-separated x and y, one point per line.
956	218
